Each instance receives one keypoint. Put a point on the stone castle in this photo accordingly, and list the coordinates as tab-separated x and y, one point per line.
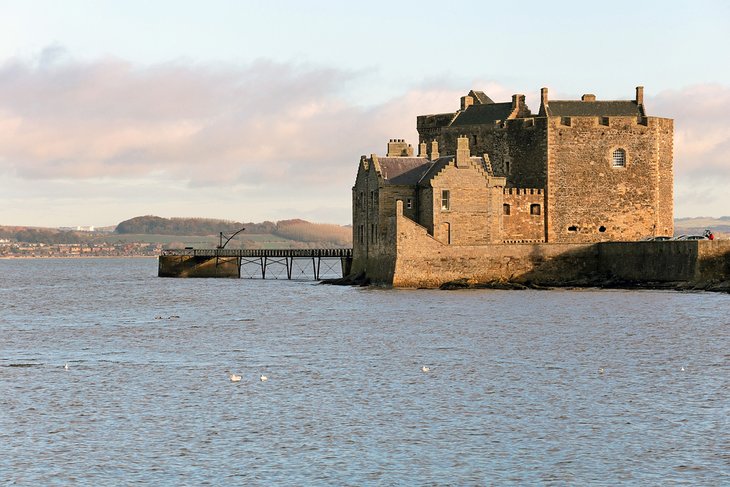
577	172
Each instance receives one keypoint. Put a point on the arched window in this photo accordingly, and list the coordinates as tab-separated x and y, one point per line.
505	209
619	158
534	209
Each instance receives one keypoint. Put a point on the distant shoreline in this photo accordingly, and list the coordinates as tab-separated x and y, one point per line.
29	257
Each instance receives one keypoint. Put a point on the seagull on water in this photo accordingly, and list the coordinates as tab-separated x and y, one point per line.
65	366
234	377
425	369
263	378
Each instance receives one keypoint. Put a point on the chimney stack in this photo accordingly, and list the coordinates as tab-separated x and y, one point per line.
434	150
639	95
462	151
466	102
422	150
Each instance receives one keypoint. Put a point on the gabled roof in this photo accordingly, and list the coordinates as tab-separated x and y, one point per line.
436	166
577	108
480	97
481	114
403	170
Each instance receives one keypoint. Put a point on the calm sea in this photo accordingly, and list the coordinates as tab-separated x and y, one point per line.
562	387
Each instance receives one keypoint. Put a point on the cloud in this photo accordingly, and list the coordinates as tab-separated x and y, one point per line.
285	130
701	146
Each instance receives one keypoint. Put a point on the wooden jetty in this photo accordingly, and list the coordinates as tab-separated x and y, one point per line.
256	263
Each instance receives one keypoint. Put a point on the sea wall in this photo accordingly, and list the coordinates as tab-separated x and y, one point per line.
197	266
421	261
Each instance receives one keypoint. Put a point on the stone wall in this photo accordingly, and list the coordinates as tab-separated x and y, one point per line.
590	200
422	261
526	219
415	259
197	266
517	148
472	218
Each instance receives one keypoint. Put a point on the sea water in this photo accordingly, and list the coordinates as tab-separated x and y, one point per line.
559	387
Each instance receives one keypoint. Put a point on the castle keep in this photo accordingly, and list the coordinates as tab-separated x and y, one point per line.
576	172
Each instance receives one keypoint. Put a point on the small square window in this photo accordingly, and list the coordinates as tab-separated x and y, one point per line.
409	203
505	209
445	199
534	209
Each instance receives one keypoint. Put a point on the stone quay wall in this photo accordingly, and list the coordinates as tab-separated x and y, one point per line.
418	260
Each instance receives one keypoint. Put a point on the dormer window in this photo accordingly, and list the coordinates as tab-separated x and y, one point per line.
619	158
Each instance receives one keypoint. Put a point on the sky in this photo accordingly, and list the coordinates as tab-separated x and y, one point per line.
260	110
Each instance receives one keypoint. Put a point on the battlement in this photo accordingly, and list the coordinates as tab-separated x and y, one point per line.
399	148
523	191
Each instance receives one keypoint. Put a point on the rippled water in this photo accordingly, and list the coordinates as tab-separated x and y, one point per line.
562	387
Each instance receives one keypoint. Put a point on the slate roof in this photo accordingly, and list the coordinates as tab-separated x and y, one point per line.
481	114
577	108
480	97
403	170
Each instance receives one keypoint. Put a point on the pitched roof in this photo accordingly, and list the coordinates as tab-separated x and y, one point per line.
480	97
437	165
403	170
577	108
481	114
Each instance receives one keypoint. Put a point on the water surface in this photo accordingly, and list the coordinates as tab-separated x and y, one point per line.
564	387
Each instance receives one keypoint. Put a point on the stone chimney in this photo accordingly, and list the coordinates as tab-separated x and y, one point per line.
434	150
399	148
543	101
639	95
466	102
588	97
462	151
517	100
422	150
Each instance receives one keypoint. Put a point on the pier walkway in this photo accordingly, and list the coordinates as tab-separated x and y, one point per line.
290	264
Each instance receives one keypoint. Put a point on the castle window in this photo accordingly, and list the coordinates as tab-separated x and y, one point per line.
565	121
619	158
505	209
601	229
534	209
445	199
474	140
572	228
409	203
361	233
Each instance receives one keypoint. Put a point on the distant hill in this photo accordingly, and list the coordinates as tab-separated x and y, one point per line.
697	225
203	232
295	230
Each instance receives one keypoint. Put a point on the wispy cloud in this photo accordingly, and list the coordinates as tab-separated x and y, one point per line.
701	147
272	127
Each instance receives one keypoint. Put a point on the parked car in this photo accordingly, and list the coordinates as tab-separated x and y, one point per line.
658	238
691	237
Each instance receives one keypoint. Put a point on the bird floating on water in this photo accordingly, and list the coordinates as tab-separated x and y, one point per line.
234	377
682	369
65	366
263	378
425	369
600	371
